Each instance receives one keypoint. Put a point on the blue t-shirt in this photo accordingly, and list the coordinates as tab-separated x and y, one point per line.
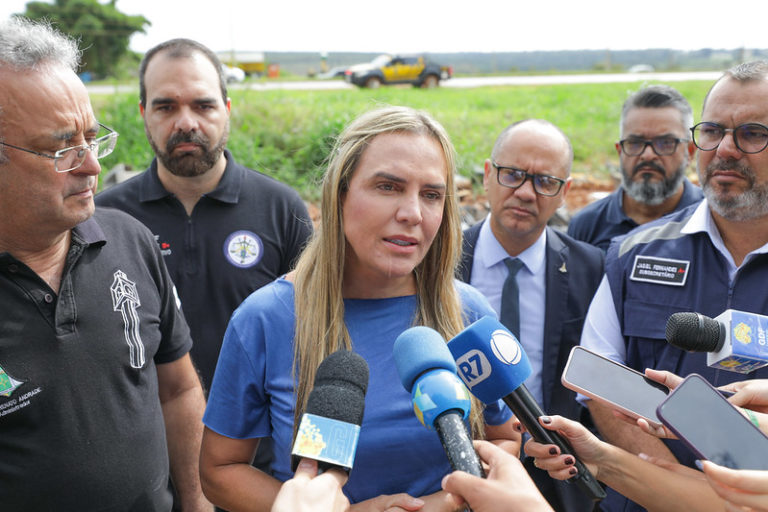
252	393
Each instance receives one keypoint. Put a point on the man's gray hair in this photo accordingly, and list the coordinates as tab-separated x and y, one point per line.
29	45
742	73
658	96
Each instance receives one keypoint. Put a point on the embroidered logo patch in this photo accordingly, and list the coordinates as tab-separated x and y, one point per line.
243	249
660	270
125	299
7	383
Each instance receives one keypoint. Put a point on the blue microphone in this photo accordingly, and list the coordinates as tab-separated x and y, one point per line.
440	400
493	365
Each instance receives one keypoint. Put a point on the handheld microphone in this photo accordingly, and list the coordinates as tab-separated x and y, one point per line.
330	426
440	400
494	366
734	340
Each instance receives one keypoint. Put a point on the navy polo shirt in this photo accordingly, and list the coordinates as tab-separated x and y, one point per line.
598	222
81	427
241	236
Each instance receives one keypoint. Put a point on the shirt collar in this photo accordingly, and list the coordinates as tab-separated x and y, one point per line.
227	191
493	253
701	222
88	232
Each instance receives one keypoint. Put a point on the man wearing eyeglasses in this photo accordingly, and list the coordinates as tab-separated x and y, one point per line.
654	152
538	279
708	257
98	395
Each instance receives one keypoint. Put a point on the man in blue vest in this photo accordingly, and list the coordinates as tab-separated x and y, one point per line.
718	249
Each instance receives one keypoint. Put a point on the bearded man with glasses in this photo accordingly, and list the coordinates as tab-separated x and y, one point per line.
99	401
538	279
654	153
708	257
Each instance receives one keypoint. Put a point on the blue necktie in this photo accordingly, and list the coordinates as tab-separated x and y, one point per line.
510	298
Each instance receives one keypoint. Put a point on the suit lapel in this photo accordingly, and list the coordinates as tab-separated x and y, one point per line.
556	300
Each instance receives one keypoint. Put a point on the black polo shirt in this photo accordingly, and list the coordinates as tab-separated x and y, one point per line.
241	236
81	426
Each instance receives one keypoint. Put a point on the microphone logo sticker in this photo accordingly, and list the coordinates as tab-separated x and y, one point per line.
473	367
505	347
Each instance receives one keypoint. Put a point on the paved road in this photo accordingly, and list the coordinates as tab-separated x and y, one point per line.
460	82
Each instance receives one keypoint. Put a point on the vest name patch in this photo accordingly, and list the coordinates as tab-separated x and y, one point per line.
660	271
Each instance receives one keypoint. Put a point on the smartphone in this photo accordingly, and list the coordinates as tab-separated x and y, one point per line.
711	427
613	384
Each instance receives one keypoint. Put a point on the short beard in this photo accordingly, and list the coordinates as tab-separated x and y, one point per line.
188	165
652	193
750	204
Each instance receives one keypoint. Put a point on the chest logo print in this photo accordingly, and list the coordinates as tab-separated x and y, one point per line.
243	249
125	299
7	383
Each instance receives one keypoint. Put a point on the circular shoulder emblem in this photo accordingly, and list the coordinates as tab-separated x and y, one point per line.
243	249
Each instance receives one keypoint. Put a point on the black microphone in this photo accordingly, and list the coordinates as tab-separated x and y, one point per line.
330	425
734	340
494	366
440	400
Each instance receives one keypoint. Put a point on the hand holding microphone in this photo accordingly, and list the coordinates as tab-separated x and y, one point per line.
440	400
494	366
308	492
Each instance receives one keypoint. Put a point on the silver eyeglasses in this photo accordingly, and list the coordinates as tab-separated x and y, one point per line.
69	159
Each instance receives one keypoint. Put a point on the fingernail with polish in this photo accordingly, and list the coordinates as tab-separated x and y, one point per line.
569	460
546	419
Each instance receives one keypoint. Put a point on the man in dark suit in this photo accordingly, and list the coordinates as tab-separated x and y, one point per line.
526	180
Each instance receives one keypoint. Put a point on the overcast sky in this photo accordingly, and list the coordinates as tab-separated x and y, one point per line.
445	26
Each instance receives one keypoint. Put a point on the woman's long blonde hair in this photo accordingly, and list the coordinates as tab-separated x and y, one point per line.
320	327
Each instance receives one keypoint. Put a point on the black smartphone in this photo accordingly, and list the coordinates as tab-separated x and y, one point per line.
614	384
713	428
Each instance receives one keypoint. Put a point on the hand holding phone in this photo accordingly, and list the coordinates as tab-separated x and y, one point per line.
713	428
613	384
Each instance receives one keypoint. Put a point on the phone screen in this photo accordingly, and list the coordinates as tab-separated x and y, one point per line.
712	427
608	381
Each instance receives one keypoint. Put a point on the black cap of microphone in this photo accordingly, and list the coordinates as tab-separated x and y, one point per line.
695	332
339	390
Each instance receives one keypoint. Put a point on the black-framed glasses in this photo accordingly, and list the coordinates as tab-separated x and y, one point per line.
662	146
69	159
543	184
749	137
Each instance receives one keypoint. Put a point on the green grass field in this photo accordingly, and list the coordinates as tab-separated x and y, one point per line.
287	134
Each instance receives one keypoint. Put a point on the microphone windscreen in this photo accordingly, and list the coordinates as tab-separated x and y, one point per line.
343	368
490	360
339	389
417	350
694	331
